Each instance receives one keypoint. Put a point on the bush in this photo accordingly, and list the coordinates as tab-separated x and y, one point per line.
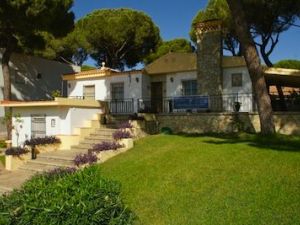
83	197
2	144
121	134
105	145
88	158
125	125
16	151
43	141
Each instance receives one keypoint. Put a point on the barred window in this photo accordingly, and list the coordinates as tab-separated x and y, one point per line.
189	87
117	91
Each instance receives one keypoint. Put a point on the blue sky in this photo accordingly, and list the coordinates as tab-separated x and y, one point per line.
174	18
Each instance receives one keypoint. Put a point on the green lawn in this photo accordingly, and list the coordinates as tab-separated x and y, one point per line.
211	180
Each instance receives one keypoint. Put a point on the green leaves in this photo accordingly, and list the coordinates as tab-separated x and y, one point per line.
119	37
83	197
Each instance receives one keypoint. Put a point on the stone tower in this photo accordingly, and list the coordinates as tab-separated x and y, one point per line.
209	61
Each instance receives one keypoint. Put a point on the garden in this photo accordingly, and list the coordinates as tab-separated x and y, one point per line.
171	179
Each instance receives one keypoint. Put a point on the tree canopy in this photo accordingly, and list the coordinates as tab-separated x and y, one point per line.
267	20
288	64
118	37
175	45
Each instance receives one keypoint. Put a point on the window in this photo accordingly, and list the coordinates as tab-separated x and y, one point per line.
38	126
89	92
236	80
117	91
39	76
189	87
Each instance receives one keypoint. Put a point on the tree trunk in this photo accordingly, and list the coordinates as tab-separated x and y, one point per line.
253	63
7	89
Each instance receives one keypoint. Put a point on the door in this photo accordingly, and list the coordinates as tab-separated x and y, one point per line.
38	126
89	92
157	97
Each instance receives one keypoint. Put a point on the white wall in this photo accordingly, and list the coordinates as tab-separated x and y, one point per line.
28	67
241	94
175	88
66	119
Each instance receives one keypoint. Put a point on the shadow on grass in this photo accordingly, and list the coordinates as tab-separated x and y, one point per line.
275	142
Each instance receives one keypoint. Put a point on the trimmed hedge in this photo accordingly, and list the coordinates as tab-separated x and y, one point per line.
66	197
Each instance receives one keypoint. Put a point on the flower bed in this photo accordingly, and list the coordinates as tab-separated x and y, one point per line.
16	157
46	144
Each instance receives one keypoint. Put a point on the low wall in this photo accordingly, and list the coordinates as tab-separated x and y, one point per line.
285	122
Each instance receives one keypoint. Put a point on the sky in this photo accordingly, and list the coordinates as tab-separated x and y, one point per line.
174	18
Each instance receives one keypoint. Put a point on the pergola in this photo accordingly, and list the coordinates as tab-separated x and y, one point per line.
283	77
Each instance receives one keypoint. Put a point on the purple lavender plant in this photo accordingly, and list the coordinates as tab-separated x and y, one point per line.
16	151
60	171
43	141
88	158
125	125
105	145
121	134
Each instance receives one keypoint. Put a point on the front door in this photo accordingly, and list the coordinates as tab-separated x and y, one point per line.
157	97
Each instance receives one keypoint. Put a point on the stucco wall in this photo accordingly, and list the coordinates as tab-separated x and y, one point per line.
286	123
32	88
175	88
66	119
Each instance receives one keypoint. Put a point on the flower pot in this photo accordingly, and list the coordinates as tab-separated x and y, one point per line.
47	148
237	106
14	162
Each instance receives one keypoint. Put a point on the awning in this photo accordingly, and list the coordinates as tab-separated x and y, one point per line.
283	77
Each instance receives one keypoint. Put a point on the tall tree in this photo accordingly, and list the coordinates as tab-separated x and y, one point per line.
242	29
22	27
267	20
175	45
119	37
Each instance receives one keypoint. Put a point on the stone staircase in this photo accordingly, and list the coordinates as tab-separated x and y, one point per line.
91	134
64	158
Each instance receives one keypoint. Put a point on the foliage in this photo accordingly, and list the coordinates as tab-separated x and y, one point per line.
125	125
56	93
105	145
87	67
289	64
88	158
23	22
267	20
121	134
2	160
230	176
166	130
42	141
59	172
83	197
16	151
176	45
135	116
118	37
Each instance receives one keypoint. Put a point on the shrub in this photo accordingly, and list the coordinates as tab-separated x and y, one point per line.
121	134
43	141
83	197
57	172
16	151
105	145
88	158
125	125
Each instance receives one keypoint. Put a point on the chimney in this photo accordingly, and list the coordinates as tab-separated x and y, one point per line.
209	60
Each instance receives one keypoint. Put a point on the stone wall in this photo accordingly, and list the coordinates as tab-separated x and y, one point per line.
286	123
209	59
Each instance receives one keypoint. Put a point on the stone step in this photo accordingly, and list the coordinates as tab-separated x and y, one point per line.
37	167
94	141
52	162
107	131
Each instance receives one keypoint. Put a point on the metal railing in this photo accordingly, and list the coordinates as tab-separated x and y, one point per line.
289	102
213	103
121	106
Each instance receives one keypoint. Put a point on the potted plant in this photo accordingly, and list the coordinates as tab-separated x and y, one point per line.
237	106
15	157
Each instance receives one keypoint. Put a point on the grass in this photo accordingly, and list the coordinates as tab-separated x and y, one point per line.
246	179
